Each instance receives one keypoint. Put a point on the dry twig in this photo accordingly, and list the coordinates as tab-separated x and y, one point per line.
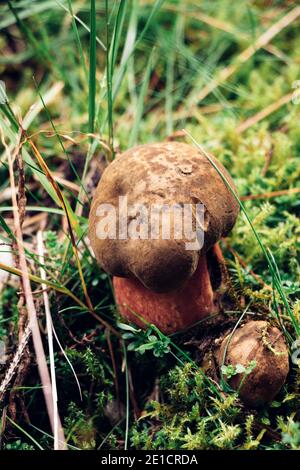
32	314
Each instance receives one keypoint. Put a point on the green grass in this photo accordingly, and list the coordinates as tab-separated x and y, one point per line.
105	76
92	68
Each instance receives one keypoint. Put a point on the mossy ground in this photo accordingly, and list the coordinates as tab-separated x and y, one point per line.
159	399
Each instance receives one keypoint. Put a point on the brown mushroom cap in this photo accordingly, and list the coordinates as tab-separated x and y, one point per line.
260	342
163	173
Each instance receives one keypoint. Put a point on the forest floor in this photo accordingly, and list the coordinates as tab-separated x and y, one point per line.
82	85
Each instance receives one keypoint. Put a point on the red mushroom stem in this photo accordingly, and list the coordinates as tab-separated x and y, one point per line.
172	311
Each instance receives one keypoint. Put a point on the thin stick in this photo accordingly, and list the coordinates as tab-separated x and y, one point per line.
15	362
265	112
32	314
40	247
271	194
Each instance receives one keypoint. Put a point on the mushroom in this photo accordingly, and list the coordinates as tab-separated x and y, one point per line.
158	279
264	344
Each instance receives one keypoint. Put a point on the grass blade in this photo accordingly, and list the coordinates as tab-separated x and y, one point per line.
140	104
92	69
271	263
75	29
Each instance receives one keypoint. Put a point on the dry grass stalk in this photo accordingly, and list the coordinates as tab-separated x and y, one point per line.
244	56
265	112
32	314
11	371
227	28
269	195
56	419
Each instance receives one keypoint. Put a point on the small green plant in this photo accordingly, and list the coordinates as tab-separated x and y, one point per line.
19	445
141	341
231	370
290	433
